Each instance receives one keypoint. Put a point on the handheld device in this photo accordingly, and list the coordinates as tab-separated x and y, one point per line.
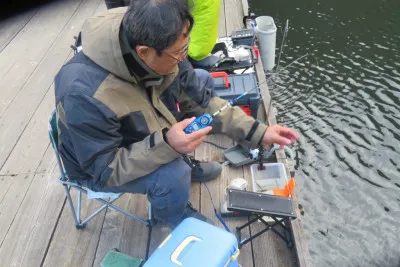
206	119
199	123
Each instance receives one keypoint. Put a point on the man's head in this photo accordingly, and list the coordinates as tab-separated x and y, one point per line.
158	30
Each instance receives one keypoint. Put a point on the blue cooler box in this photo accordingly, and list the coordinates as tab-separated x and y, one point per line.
194	243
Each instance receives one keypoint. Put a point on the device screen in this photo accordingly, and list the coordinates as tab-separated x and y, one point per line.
195	126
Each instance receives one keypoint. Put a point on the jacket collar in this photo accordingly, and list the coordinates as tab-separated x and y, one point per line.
136	67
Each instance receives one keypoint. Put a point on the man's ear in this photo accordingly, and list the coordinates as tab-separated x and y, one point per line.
142	51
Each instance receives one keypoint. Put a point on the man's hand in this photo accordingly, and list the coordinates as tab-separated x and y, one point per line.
280	135
186	143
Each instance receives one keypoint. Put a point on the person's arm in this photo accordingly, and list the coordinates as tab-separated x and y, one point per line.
197	99
94	132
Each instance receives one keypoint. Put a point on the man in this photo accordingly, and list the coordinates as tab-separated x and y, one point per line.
123	103
204	32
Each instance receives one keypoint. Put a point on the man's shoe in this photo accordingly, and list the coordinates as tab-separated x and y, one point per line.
205	171
192	212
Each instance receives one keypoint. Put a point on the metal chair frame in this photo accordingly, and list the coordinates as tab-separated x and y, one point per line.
68	184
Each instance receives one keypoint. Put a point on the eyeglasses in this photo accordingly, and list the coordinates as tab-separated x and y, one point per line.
183	55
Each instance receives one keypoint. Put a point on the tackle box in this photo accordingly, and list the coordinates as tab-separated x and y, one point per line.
229	87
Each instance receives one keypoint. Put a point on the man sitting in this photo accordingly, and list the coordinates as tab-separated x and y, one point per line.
124	101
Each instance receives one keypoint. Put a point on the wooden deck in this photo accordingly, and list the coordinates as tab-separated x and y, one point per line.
36	226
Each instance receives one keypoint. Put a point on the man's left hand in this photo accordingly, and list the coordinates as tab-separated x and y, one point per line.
279	135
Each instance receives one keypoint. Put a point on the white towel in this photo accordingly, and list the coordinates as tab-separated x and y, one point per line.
91	194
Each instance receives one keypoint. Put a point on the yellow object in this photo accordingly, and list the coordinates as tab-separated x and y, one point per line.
181	247
205	30
165	241
232	258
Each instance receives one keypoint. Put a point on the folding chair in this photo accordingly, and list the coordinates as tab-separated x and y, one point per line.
69	183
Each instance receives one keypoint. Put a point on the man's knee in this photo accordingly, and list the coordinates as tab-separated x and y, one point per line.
205	78
174	177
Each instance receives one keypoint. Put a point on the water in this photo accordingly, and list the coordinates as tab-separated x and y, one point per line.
344	100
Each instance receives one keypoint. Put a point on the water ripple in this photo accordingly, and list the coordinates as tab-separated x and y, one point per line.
344	99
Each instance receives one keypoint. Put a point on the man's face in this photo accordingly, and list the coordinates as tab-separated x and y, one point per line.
165	63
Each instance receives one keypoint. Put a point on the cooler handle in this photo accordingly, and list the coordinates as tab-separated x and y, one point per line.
219	74
181	247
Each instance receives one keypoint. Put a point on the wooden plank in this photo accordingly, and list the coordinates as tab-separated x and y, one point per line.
209	152
245	6
301	244
122	232
11	26
26	240
234	15
20	58
32	144
222	23
40	235
302	253
20	111
29	152
72	247
264	91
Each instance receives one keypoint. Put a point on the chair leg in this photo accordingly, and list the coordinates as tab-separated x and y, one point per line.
78	207
151	223
71	205
150	215
150	226
106	204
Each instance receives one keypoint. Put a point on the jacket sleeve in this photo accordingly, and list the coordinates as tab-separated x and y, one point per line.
197	99
94	132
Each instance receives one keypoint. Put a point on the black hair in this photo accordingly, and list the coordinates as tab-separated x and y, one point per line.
156	23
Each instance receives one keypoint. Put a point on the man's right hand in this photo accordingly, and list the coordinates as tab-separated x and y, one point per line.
186	143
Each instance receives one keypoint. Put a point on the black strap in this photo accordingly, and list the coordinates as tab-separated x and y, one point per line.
252	131
152	140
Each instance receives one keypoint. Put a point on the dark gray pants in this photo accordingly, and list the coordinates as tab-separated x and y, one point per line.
167	189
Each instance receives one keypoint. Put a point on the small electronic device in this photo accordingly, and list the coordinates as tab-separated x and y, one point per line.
243	37
199	123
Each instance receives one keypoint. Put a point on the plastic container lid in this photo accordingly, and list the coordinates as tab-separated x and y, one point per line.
265	25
